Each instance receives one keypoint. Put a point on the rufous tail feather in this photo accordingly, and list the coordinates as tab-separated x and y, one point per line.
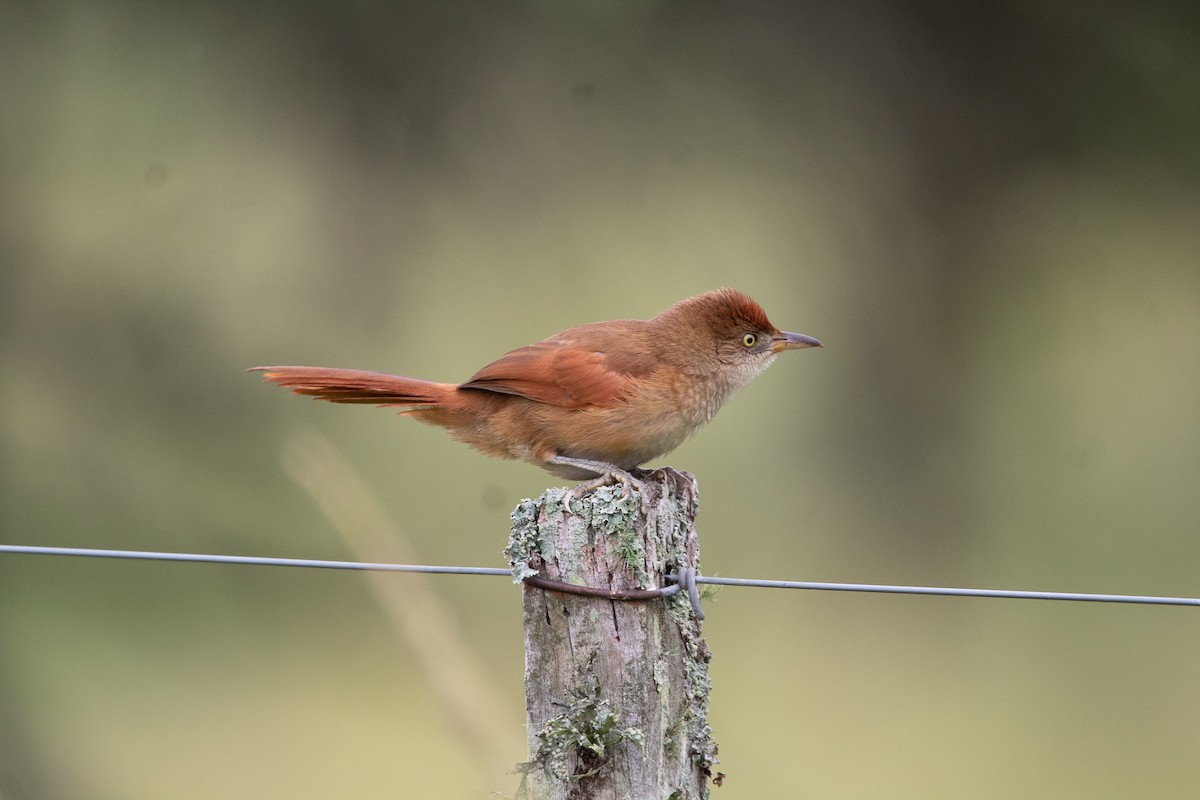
357	386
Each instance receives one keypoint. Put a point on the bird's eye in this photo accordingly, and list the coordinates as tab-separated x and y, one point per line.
749	339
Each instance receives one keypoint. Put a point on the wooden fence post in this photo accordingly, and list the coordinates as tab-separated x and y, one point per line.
616	691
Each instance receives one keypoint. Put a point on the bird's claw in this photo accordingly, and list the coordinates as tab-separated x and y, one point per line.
607	475
627	480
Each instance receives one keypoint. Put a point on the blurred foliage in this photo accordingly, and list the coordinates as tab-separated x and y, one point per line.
987	211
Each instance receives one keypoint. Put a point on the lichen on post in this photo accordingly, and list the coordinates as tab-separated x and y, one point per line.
616	691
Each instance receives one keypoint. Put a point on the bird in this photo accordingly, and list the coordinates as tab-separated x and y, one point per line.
590	403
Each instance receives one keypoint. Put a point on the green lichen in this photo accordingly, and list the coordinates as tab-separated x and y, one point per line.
524	540
554	505
661	676
615	514
672	736
701	746
588	728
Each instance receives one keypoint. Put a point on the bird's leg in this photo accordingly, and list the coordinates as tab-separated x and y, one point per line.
608	474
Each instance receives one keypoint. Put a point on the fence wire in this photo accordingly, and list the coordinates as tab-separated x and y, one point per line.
263	561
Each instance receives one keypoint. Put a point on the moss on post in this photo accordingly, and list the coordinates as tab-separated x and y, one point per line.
616	691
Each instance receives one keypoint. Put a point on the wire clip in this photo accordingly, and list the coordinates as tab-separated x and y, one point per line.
684	579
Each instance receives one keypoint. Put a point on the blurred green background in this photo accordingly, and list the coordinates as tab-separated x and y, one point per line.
990	213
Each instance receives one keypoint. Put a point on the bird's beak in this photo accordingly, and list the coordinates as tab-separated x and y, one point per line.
793	341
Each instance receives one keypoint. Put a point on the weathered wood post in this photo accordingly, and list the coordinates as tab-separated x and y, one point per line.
616	691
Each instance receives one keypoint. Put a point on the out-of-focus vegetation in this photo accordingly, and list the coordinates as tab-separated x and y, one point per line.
989	213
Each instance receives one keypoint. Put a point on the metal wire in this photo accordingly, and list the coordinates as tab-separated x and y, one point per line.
1007	594
259	561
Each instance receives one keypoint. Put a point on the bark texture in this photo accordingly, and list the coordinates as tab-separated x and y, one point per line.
616	691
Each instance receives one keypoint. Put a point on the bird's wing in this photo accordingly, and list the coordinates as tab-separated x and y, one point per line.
579	368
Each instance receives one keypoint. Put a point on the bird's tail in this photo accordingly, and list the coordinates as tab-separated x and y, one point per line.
357	386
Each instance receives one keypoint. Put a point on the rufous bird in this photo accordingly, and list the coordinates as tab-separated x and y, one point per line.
598	400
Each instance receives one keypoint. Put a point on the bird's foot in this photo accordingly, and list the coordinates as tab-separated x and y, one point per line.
628	482
607	475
